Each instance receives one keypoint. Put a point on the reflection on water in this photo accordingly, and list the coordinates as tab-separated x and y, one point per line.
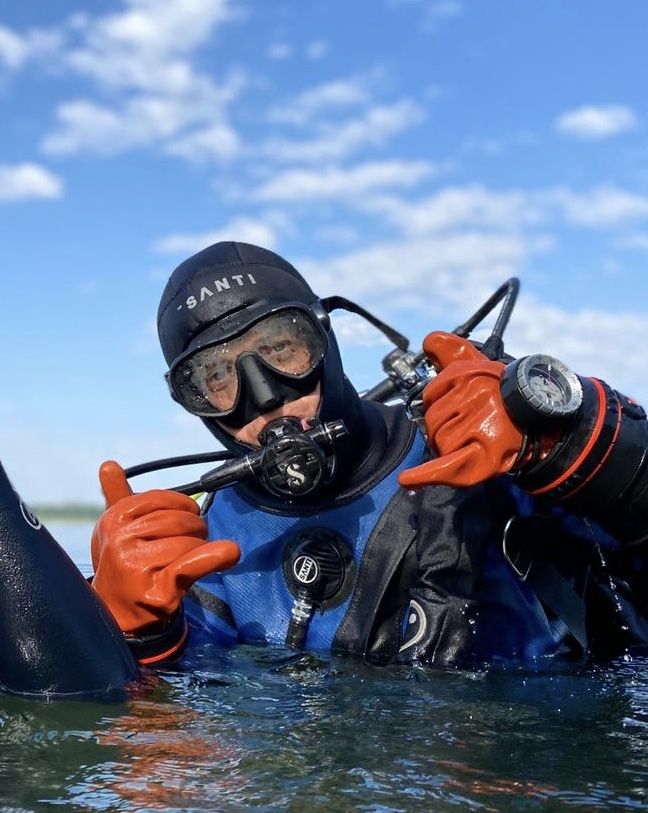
257	729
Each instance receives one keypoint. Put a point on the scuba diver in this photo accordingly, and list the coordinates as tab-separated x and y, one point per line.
513	531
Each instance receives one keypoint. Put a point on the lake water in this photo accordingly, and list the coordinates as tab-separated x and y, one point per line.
265	730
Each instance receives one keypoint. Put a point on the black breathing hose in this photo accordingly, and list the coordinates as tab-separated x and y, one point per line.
492	348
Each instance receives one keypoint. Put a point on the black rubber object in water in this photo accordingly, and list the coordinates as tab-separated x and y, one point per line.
56	636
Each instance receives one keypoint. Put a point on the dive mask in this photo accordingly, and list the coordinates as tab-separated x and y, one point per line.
253	369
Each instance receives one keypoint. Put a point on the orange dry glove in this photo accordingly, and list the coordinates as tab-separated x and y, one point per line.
465	419
147	551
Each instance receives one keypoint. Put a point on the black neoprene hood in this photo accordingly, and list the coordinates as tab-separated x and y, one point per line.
229	285
225	286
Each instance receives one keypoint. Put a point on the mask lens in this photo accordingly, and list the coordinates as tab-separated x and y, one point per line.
208	382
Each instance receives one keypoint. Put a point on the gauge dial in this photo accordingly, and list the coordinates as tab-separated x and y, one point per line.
540	390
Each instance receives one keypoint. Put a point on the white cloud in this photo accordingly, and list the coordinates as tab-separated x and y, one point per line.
600	207
342	234
28	181
446	277
437	12
218	141
136	47
336	140
336	94
498	146
437	8
17	49
337	183
241	229
191	126
458	270
351	329
593	342
12	48
596	122
459	207
86	125
142	57
434	11
447	8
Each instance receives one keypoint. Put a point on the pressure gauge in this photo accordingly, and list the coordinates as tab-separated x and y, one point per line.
540	391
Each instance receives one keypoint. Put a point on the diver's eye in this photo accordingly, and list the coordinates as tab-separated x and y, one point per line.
280	350
220	376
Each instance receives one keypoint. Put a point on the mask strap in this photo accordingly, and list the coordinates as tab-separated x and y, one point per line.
331	303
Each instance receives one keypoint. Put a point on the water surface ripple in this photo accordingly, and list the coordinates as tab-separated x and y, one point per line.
263	730
257	729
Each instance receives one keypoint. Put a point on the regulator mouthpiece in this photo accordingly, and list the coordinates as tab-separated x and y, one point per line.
295	462
292	460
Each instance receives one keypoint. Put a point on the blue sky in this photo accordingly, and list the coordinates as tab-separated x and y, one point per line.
409	154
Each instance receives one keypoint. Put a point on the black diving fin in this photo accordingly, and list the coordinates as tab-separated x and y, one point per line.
56	636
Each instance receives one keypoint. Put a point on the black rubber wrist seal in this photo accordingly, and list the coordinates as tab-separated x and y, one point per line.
153	648
600	468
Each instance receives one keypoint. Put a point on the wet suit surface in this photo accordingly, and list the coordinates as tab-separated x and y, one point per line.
56	637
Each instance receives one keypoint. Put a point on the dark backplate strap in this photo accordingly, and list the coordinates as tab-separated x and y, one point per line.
385	548
530	545
214	604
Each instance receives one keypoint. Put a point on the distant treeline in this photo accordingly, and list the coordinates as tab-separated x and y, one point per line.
68	512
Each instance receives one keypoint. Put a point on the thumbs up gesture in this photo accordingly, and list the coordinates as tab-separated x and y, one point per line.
465	419
147	551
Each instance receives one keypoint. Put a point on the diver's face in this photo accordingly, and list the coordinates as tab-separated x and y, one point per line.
302	408
282	349
274	361
273	344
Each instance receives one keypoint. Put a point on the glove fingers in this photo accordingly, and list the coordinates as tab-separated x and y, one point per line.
155	555
454	469
113	482
148	502
444	348
147	558
460	375
197	563
445	408
456	427
439	428
163	524
221	554
438	388
450	405
465	419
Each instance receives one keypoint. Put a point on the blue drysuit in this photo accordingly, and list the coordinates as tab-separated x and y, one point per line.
436	577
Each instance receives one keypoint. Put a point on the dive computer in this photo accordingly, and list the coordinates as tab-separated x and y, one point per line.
540	391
